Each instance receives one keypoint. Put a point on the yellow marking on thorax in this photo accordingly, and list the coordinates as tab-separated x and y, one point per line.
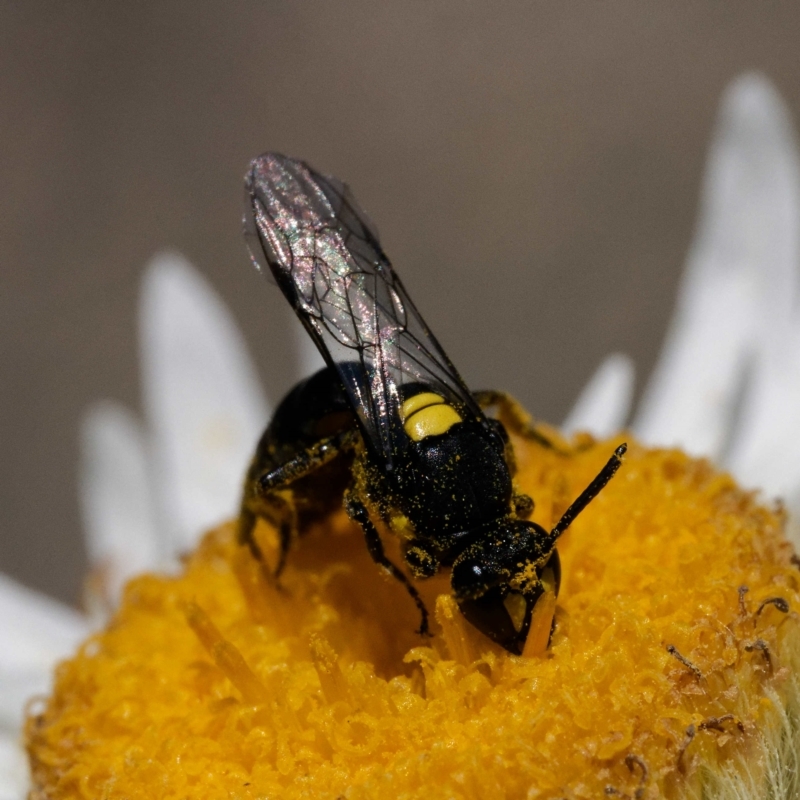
427	414
418	402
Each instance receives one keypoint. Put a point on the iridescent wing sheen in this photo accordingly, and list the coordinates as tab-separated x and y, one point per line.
324	254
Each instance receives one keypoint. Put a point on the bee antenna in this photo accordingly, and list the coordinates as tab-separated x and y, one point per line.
590	492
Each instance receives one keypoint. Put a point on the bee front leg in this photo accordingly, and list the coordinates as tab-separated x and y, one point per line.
357	512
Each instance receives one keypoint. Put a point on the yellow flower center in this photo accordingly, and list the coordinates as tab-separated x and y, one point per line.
663	673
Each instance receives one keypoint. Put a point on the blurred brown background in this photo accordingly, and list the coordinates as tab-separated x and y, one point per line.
533	168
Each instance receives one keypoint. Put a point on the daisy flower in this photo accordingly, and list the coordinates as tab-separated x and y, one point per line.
726	386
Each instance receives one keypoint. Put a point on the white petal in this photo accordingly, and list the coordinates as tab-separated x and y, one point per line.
18	688
203	399
115	493
35	632
14	774
35	629
738	266
605	401
766	450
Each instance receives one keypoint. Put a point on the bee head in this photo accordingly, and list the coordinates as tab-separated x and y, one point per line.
498	580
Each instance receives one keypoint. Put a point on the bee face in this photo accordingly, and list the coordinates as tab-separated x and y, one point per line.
499	581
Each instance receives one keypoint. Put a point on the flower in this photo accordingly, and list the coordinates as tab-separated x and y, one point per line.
725	385
35	632
216	683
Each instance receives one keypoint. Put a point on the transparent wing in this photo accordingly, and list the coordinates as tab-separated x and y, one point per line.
324	254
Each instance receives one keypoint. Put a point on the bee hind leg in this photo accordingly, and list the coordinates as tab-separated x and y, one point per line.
266	494
305	462
515	418
357	512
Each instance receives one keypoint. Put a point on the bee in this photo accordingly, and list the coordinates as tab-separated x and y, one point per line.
388	427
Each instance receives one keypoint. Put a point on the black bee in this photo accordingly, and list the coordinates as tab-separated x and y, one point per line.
388	426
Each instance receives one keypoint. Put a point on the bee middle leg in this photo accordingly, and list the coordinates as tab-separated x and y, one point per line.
357	512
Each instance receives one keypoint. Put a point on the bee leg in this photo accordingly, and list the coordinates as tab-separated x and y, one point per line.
286	530
422	562
263	497
357	511
279	513
523	505
515	417
247	524
310	459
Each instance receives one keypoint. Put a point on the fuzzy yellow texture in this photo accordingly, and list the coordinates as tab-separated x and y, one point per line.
216	685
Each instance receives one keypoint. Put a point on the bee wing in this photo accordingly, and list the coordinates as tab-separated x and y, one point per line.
325	255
